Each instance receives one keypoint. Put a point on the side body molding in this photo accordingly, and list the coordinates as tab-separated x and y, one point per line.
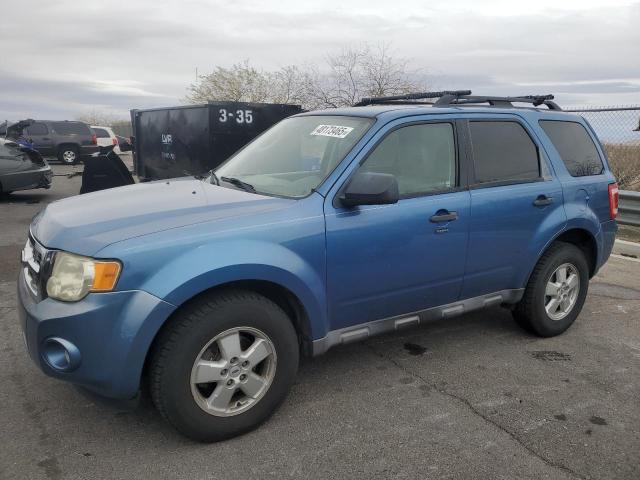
366	330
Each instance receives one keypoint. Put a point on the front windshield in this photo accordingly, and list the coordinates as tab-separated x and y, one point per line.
296	155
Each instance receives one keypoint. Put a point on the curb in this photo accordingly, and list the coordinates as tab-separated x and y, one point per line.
626	249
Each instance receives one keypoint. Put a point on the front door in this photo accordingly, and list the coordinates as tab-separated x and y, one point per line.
389	260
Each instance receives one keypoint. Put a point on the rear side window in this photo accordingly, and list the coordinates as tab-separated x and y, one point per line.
575	146
101	133
71	128
503	152
37	129
421	157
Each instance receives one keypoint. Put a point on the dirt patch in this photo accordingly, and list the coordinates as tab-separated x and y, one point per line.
9	262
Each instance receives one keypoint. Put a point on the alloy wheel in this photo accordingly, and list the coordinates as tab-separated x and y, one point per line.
233	371
561	291
69	156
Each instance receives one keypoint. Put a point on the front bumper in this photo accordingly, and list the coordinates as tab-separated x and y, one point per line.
111	331
29	179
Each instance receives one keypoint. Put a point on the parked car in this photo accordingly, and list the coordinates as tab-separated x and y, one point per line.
124	144
68	141
330	227
22	168
106	137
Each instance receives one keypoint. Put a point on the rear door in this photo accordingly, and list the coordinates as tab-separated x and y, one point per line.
389	260
516	204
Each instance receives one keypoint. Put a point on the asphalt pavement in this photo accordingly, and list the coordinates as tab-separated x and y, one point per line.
467	397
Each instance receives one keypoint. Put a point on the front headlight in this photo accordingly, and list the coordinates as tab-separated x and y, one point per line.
73	276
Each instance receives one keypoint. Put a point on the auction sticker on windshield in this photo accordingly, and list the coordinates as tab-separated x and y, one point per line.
336	131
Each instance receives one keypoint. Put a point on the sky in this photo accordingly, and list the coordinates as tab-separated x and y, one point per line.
63	58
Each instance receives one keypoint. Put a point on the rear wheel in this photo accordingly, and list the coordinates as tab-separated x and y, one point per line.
68	154
556	291
223	365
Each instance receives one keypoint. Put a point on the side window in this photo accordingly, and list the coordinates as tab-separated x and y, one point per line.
503	152
421	157
100	133
71	128
575	146
37	129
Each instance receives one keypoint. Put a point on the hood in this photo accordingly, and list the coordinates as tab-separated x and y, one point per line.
85	224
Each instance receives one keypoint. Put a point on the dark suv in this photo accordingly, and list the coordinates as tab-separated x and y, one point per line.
69	141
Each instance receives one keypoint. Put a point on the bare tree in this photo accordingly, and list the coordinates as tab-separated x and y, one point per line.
350	74
291	84
385	75
98	117
365	71
240	83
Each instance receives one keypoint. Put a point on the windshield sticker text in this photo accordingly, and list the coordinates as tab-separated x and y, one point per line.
336	131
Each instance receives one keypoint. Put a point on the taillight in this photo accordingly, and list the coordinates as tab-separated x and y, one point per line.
114	140
94	139
613	200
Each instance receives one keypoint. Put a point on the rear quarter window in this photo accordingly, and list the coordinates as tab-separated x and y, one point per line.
575	146
100	132
71	128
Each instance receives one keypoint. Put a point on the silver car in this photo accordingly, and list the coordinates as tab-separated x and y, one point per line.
22	168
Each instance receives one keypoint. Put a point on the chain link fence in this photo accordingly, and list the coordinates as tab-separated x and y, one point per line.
619	130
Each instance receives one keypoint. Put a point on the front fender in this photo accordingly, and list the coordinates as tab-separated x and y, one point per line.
219	263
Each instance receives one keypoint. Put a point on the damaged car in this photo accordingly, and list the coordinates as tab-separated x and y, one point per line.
21	167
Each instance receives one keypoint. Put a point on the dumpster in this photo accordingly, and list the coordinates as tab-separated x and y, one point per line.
192	139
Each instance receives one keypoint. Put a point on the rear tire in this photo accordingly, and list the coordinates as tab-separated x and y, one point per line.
208	364
556	291
68	155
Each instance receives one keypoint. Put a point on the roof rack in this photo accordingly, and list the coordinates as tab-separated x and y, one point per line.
449	98
506	102
410	96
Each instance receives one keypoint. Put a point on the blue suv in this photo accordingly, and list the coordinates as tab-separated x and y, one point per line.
330	227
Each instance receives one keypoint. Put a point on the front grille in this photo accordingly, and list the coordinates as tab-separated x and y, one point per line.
36	264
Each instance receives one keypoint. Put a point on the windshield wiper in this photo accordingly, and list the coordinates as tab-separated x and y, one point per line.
239	183
202	176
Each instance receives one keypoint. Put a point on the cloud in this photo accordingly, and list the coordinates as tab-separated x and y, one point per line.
63	57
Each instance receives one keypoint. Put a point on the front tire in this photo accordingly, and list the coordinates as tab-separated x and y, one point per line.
556	291
223	365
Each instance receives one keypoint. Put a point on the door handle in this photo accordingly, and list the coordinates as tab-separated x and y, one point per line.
444	216
543	201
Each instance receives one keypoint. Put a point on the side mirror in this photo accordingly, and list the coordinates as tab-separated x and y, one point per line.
370	188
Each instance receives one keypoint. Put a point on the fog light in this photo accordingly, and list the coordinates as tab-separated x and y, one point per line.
61	354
